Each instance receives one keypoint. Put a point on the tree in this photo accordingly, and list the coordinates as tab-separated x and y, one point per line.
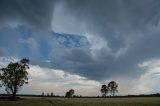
42	93
47	94
104	90
52	94
113	87
70	93
67	94
14	76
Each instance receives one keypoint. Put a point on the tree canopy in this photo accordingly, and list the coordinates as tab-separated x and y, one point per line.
70	93
14	76
113	87
104	90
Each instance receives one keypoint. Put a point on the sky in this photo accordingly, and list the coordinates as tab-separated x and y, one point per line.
82	44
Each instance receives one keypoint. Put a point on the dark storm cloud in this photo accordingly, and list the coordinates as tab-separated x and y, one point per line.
130	28
80	61
37	13
109	17
124	24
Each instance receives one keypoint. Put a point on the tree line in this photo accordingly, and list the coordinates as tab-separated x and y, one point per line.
15	75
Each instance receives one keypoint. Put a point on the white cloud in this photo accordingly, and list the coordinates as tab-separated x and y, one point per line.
97	43
149	81
51	80
5	60
43	79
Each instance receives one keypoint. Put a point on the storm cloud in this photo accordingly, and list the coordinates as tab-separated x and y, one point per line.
36	13
129	28
100	39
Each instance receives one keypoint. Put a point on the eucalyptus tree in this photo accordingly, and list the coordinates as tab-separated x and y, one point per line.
14	76
70	93
113	87
104	90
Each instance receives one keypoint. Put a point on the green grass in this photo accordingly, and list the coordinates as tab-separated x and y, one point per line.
140	101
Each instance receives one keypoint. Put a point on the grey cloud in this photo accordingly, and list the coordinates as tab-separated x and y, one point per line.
2	52
37	13
115	20
80	61
122	23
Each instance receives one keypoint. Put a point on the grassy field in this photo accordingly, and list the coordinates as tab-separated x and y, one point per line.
140	101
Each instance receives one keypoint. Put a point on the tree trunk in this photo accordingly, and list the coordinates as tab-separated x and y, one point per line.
15	88
14	92
14	96
113	92
105	94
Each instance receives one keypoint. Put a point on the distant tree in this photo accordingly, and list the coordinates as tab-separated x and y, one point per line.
52	94
14	76
104	90
113	87
42	93
47	94
67	94
70	93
